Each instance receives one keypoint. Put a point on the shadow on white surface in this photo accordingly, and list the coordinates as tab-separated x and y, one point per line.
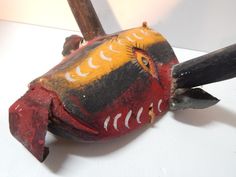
203	117
61	149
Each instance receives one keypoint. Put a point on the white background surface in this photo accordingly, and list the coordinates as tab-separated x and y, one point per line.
202	25
190	143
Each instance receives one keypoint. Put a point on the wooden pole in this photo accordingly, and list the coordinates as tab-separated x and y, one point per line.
213	67
86	18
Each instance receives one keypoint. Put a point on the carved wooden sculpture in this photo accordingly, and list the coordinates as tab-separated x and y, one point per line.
112	84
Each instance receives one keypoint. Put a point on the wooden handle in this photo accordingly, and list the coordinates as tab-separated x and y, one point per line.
213	67
86	18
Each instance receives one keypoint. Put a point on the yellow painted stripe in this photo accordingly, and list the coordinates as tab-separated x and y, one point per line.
107	57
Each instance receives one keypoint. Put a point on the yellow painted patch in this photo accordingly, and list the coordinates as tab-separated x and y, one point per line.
108	56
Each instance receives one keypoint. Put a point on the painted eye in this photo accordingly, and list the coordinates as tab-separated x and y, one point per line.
145	62
143	59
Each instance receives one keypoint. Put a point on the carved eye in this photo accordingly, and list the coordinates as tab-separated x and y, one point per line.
145	61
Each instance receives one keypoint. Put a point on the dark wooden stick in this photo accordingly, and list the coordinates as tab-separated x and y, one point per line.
86	18
213	67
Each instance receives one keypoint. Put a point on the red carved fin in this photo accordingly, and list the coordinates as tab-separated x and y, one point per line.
28	122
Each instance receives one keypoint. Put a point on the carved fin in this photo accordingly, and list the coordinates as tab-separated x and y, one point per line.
28	120
195	98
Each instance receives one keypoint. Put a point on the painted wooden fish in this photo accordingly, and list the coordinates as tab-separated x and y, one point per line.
113	85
